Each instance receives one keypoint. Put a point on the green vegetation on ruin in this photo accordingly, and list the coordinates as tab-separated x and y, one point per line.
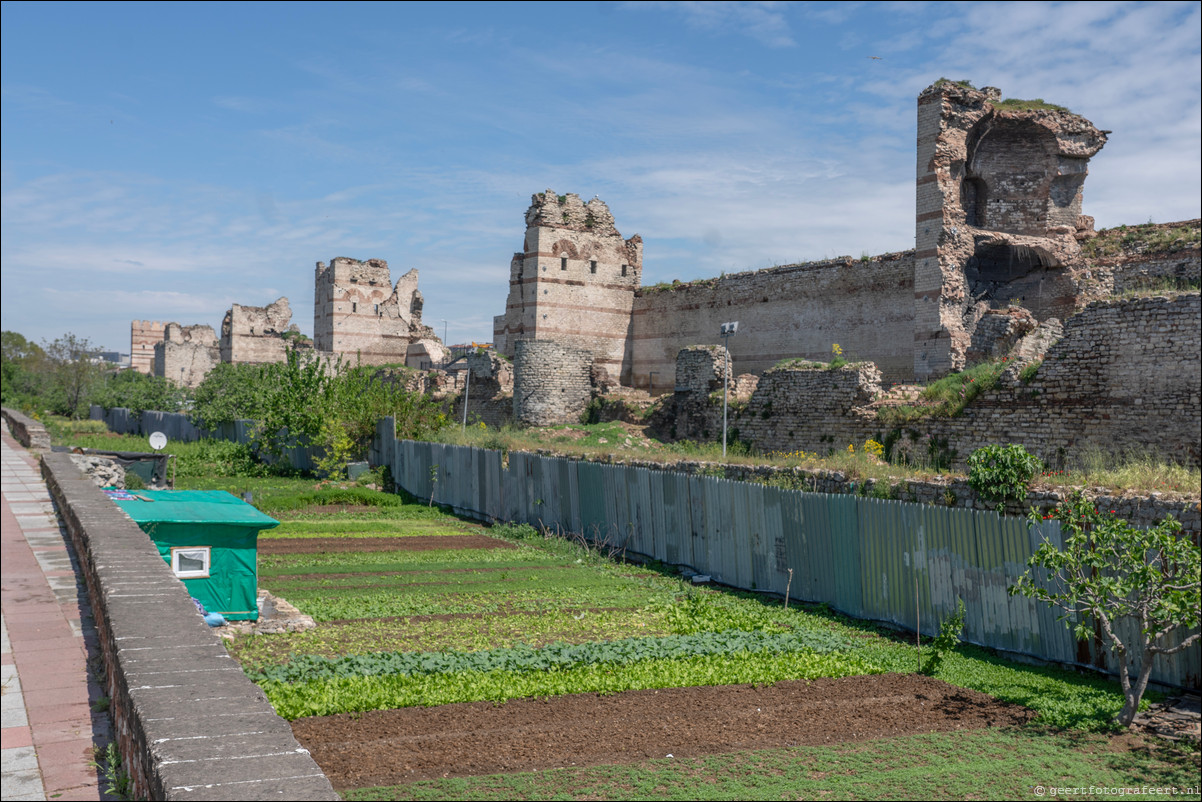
947	397
1147	238
1034	104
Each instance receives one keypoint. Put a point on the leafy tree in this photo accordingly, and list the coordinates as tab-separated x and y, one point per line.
138	392
73	369
356	399
307	400
292	402
21	366
229	393
1113	574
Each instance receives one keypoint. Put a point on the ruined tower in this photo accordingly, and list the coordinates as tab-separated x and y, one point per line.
254	334
144	335
359	315
998	214
574	282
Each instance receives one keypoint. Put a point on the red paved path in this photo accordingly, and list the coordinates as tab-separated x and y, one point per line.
48	621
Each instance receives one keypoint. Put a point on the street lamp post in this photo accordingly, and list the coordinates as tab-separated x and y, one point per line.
727	330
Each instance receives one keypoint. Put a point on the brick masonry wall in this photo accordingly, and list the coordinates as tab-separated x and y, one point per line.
1125	378
573	283
181	706
552	382
143	336
864	305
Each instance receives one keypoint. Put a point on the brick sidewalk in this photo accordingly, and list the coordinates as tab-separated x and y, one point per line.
49	729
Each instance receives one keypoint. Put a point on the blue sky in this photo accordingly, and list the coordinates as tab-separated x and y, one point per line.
162	161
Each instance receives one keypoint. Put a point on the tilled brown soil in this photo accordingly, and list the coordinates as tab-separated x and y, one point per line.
319	545
395	746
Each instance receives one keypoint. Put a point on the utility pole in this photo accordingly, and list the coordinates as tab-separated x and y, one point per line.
727	330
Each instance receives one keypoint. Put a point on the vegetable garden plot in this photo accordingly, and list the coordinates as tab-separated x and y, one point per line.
536	618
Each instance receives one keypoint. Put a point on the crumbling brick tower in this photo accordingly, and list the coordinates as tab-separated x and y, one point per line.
360	315
144	335
574	282
998	214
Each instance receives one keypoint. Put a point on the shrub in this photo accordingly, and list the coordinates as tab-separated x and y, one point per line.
1002	473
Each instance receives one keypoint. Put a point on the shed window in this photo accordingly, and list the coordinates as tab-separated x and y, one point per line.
191	562
563	263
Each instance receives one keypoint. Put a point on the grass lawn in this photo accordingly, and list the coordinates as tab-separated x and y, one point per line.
984	764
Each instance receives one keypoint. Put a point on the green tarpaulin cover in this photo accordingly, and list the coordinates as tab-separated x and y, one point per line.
210	539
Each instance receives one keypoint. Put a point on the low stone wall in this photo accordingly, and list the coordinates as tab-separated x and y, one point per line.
29	432
181	706
1123	380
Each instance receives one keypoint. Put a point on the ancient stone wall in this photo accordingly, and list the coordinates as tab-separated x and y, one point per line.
359	314
1124	379
143	336
863	305
573	282
254	334
552	382
186	354
1139	258
998	214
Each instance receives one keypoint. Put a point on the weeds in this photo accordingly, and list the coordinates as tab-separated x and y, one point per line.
112	770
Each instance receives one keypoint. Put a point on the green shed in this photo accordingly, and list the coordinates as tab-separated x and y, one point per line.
210	540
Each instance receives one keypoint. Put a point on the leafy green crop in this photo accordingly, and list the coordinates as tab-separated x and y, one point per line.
382	692
556	656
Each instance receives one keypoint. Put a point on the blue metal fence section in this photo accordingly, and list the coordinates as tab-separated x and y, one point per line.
878	559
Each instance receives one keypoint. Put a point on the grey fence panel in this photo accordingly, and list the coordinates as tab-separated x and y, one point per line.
921	566
678	528
173	424
717	515
768	562
656	537
645	511
698	539
969	576
807	545
847	553
590	478
754	556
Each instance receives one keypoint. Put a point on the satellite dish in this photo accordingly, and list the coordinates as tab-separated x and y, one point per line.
158	441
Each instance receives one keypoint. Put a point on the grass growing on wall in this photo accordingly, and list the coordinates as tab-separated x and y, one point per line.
947	397
1148	238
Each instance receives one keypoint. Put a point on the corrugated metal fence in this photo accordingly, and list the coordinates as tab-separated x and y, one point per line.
869	558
